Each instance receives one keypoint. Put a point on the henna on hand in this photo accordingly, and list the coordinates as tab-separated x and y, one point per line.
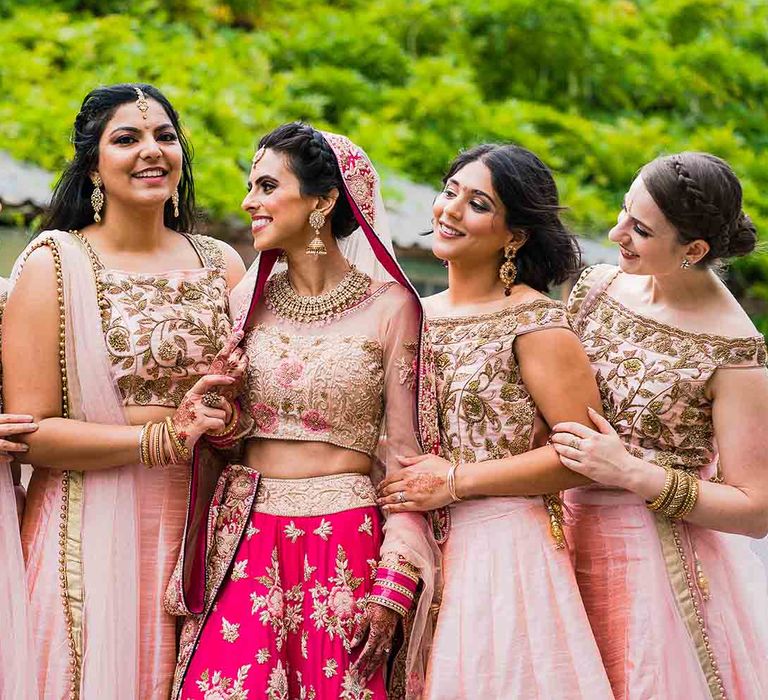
381	624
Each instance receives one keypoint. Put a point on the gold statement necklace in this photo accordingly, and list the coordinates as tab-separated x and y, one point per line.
282	299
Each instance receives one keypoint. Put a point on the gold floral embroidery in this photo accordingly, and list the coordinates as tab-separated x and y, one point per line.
366	526
277	608
331	668
230	631
304	692
162	332
334	607
292	532
304	643
406	366
486	412
238	570
326	388
223	688
277	686
352	688
653	377
263	655
324	530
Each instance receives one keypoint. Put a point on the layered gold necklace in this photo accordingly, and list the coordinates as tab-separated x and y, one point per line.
283	300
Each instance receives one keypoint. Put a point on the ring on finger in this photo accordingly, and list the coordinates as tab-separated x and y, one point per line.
576	443
401	496
211	399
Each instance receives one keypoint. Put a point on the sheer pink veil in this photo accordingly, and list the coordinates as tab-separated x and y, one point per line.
17	680
370	250
105	563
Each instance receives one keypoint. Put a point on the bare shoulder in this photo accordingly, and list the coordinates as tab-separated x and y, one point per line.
435	304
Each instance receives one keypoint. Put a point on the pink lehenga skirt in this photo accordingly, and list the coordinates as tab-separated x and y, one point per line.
511	623
289	607
678	611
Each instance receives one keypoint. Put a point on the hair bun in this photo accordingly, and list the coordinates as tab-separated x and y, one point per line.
743	237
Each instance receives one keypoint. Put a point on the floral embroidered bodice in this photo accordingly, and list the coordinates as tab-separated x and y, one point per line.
485	410
653	377
335	381
162	330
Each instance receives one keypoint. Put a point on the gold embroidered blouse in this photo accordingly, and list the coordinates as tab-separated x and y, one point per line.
162	331
652	376
485	410
338	381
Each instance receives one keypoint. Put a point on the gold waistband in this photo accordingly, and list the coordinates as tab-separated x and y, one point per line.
318	495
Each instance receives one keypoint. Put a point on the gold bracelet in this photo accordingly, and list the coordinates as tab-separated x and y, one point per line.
451	482
144	444
680	495
181	449
690	502
669	484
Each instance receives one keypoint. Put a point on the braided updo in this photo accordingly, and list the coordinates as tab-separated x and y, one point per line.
314	164
701	197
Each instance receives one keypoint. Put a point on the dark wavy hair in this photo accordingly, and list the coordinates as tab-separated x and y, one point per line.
529	194
313	162
70	207
701	197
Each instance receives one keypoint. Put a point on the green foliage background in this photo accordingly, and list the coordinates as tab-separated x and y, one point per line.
595	87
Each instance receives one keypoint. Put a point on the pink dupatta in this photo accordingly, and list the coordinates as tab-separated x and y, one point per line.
122	642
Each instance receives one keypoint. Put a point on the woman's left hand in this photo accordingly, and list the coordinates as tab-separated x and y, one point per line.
422	485
600	456
380	624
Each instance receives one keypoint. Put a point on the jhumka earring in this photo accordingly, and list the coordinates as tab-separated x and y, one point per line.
316	246
685	264
97	197
508	269
175	202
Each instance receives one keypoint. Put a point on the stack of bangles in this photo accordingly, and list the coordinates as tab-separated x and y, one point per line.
229	435
395	585
160	445
678	497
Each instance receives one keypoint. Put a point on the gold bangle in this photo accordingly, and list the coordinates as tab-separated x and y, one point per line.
680	494
451	482
181	449
144	444
690	502
669	483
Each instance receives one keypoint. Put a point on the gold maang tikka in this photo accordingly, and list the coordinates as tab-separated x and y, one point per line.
142	103
259	155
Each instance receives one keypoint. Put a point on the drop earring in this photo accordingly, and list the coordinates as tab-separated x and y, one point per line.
97	197
175	202
508	269
316	246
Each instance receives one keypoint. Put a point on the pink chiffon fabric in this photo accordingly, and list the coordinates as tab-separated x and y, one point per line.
16	653
658	592
283	625
129	534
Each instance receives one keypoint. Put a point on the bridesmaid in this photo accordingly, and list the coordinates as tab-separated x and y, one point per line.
511	624
678	606
116	313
